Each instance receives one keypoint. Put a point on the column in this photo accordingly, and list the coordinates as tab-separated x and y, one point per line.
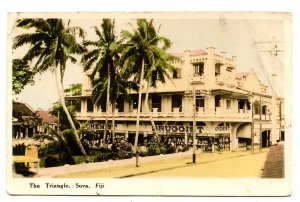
233	138
26	132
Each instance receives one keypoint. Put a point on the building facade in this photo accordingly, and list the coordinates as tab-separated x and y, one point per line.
229	107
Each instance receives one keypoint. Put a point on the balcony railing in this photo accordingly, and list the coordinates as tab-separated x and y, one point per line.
264	117
198	78
219	112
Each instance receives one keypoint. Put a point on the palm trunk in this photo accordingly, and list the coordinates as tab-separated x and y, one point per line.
138	114
113	122
107	105
59	85
149	113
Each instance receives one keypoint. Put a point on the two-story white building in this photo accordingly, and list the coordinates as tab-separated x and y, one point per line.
229	106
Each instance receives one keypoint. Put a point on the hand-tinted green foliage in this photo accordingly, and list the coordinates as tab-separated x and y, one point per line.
74	89
52	43
21	75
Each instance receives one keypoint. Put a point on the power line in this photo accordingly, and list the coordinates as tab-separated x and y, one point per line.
257	51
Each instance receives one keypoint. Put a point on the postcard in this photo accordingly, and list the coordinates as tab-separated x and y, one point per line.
154	103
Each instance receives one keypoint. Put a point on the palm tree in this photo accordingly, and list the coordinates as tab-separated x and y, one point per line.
118	88
157	73
102	59
143	56
52	44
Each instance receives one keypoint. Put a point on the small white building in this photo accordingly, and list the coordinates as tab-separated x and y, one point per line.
229	105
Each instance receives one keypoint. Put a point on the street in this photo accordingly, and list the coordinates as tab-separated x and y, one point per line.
226	164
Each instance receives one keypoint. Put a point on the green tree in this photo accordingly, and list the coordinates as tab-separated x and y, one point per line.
143	56
72	105
74	89
58	111
52	44
103	60
119	88
21	75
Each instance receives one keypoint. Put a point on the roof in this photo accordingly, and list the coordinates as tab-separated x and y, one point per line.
241	74
191	53
24	108
198	52
47	117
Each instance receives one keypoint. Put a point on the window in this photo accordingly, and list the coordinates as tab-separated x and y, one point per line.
200	102
120	104
241	104
228	103
156	102
248	104
218	69
90	105
199	69
177	74
264	110
134	101
244	104
256	107
218	101
177	102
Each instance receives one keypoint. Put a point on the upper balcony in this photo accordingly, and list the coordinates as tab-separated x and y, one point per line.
263	117
198	79
218	113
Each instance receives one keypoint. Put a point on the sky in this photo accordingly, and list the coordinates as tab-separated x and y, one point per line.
233	33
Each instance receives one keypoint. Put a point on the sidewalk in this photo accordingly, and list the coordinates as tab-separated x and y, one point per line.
225	164
274	165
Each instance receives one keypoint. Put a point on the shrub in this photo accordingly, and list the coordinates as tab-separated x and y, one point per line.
104	150
170	149
104	157
42	150
124	150
19	149
52	161
163	150
153	151
68	160
185	148
143	151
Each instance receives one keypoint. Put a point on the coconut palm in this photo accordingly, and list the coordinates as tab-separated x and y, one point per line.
158	73
102	60
52	44
145	57
119	88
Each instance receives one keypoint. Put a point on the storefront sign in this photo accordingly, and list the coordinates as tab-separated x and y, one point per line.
222	128
178	129
98	126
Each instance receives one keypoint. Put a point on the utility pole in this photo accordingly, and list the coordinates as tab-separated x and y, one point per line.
194	125
260	124
252	125
58	125
273	51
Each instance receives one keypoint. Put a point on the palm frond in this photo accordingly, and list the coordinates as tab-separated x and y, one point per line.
22	39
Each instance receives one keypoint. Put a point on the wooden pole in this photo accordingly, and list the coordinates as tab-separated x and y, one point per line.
252	125
194	125
260	124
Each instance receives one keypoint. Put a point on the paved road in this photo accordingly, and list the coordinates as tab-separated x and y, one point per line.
226	164
274	165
